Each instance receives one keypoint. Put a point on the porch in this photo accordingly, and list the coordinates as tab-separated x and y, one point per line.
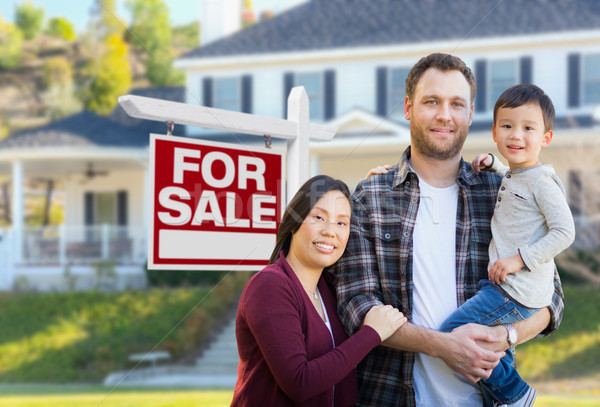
72	257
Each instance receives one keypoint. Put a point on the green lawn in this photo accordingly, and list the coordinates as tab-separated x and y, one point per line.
97	396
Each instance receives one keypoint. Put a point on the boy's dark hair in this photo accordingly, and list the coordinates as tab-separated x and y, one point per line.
523	94
441	62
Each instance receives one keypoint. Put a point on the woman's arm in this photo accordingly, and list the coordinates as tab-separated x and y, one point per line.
274	315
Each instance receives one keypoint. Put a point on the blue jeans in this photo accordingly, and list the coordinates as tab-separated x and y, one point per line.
490	306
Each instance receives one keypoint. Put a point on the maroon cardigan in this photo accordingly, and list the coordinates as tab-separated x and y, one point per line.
286	354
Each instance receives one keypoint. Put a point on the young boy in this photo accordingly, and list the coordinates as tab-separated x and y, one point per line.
532	223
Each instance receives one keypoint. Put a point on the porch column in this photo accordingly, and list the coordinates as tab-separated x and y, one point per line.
148	186
18	203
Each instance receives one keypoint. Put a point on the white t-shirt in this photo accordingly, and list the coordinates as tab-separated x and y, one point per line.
434	295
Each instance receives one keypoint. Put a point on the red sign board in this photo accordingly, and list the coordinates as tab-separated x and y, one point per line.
214	206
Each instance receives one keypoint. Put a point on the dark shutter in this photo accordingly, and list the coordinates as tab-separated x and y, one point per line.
88	201
207	92
122	208
574	80
481	78
288	84
329	94
526	65
247	94
382	91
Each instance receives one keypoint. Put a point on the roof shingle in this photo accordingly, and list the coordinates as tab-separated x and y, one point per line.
330	24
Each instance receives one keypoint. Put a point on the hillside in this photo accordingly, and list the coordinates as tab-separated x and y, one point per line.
80	337
41	89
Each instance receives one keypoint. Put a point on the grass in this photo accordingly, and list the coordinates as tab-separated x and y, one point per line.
574	350
80	337
97	396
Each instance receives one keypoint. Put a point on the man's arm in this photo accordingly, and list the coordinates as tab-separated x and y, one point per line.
460	349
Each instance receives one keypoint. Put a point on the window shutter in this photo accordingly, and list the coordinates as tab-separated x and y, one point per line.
288	84
574	80
382	88
481	78
88	201
207	91
122	208
247	94
526	64
329	94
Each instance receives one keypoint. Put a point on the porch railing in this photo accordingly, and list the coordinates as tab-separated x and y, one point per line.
83	244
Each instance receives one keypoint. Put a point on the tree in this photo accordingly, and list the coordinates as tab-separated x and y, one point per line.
60	27
150	30
105	21
11	45
59	95
111	77
29	19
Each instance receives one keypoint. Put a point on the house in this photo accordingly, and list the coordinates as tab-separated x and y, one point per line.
101	165
352	56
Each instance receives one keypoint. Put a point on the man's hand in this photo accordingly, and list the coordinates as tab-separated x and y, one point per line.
503	267
464	351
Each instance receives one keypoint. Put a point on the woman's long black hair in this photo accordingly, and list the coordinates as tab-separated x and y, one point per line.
301	205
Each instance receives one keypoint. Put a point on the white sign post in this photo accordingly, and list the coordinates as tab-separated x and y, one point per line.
174	247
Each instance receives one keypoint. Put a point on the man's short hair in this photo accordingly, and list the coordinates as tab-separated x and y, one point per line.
441	62
522	94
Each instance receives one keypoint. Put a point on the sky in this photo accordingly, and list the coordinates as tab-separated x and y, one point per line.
77	11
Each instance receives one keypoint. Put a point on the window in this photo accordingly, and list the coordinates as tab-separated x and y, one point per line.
397	91
503	75
313	83
106	208
227	94
591	79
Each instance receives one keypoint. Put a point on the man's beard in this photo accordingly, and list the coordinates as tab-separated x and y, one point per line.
422	143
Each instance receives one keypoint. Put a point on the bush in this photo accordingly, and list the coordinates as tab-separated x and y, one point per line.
179	278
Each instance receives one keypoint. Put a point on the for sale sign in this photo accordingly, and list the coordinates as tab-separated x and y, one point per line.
214	206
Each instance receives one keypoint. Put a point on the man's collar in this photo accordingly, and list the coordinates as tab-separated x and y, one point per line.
466	174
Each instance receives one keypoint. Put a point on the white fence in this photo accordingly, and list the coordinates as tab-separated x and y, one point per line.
81	245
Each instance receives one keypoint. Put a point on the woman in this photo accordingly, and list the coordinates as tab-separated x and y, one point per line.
293	349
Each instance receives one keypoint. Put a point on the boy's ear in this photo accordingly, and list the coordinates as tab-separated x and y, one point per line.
547	138
494	132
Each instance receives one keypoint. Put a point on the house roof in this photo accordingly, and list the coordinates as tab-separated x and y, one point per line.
329	24
87	129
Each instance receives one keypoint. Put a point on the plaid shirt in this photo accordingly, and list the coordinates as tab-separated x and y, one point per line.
377	266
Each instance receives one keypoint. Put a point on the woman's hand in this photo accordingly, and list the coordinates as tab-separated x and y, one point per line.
481	162
380	169
385	320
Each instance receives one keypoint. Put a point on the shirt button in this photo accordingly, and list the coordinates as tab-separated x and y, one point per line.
499	198
407	183
406	234
387	236
414	200
502	188
508	176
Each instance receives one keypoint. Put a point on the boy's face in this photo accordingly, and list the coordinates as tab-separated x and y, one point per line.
520	135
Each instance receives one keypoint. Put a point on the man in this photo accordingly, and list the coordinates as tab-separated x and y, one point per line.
419	241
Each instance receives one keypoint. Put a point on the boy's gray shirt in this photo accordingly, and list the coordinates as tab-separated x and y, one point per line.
531	217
